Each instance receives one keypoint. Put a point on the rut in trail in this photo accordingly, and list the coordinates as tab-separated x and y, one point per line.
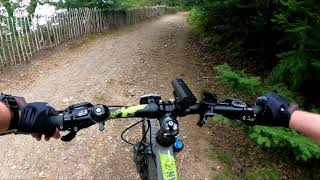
116	70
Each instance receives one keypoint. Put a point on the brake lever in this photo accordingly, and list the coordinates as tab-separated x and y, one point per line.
68	137
202	120
207	99
73	132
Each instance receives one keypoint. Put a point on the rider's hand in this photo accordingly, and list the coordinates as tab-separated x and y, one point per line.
34	119
276	110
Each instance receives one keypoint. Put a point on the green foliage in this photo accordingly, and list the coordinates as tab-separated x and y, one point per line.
265	173
84	3
224	158
12	6
9	7
112	4
273	138
302	147
195	19
298	24
224	120
239	80
279	139
252	85
283	35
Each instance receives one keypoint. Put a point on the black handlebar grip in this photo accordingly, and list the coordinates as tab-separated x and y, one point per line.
257	110
57	121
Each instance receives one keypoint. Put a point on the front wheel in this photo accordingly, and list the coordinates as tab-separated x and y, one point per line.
149	168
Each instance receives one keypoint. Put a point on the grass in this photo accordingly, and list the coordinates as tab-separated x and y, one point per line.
225	159
264	173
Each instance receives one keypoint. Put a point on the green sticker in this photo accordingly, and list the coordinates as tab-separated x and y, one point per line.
168	164
126	111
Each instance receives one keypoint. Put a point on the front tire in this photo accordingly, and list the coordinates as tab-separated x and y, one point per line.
150	170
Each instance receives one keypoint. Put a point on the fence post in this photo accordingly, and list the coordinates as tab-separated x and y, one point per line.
13	31
68	23
56	21
21	41
74	23
27	34
32	39
78	23
3	47
65	28
36	33
2	61
11	42
56	30
49	34
61	27
40	38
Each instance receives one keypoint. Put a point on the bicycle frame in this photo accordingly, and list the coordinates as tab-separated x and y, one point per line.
165	160
166	163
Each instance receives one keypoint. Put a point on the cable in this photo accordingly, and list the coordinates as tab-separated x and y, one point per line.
145	134
128	129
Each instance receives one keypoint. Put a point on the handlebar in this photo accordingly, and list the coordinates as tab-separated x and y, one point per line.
83	115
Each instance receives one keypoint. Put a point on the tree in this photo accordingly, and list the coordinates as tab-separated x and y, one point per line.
102	4
11	7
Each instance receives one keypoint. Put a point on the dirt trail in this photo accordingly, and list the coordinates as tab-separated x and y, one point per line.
115	69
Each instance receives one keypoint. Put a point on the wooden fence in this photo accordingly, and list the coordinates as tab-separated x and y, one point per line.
23	37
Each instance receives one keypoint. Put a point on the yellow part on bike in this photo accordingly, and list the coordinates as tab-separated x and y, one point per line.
168	163
126	111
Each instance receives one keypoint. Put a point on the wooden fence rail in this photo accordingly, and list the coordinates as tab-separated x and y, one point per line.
23	37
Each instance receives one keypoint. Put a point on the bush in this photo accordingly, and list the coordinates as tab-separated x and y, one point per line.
239	80
195	19
273	138
280	36
252	85
282	138
298	22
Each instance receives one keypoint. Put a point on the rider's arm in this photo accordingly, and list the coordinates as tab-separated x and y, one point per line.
5	117
306	123
32	118
277	111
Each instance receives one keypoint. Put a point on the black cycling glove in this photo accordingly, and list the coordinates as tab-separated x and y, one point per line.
35	119
276	110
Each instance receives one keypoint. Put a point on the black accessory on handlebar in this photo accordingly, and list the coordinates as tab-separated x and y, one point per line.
231	108
145	99
80	116
184	98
